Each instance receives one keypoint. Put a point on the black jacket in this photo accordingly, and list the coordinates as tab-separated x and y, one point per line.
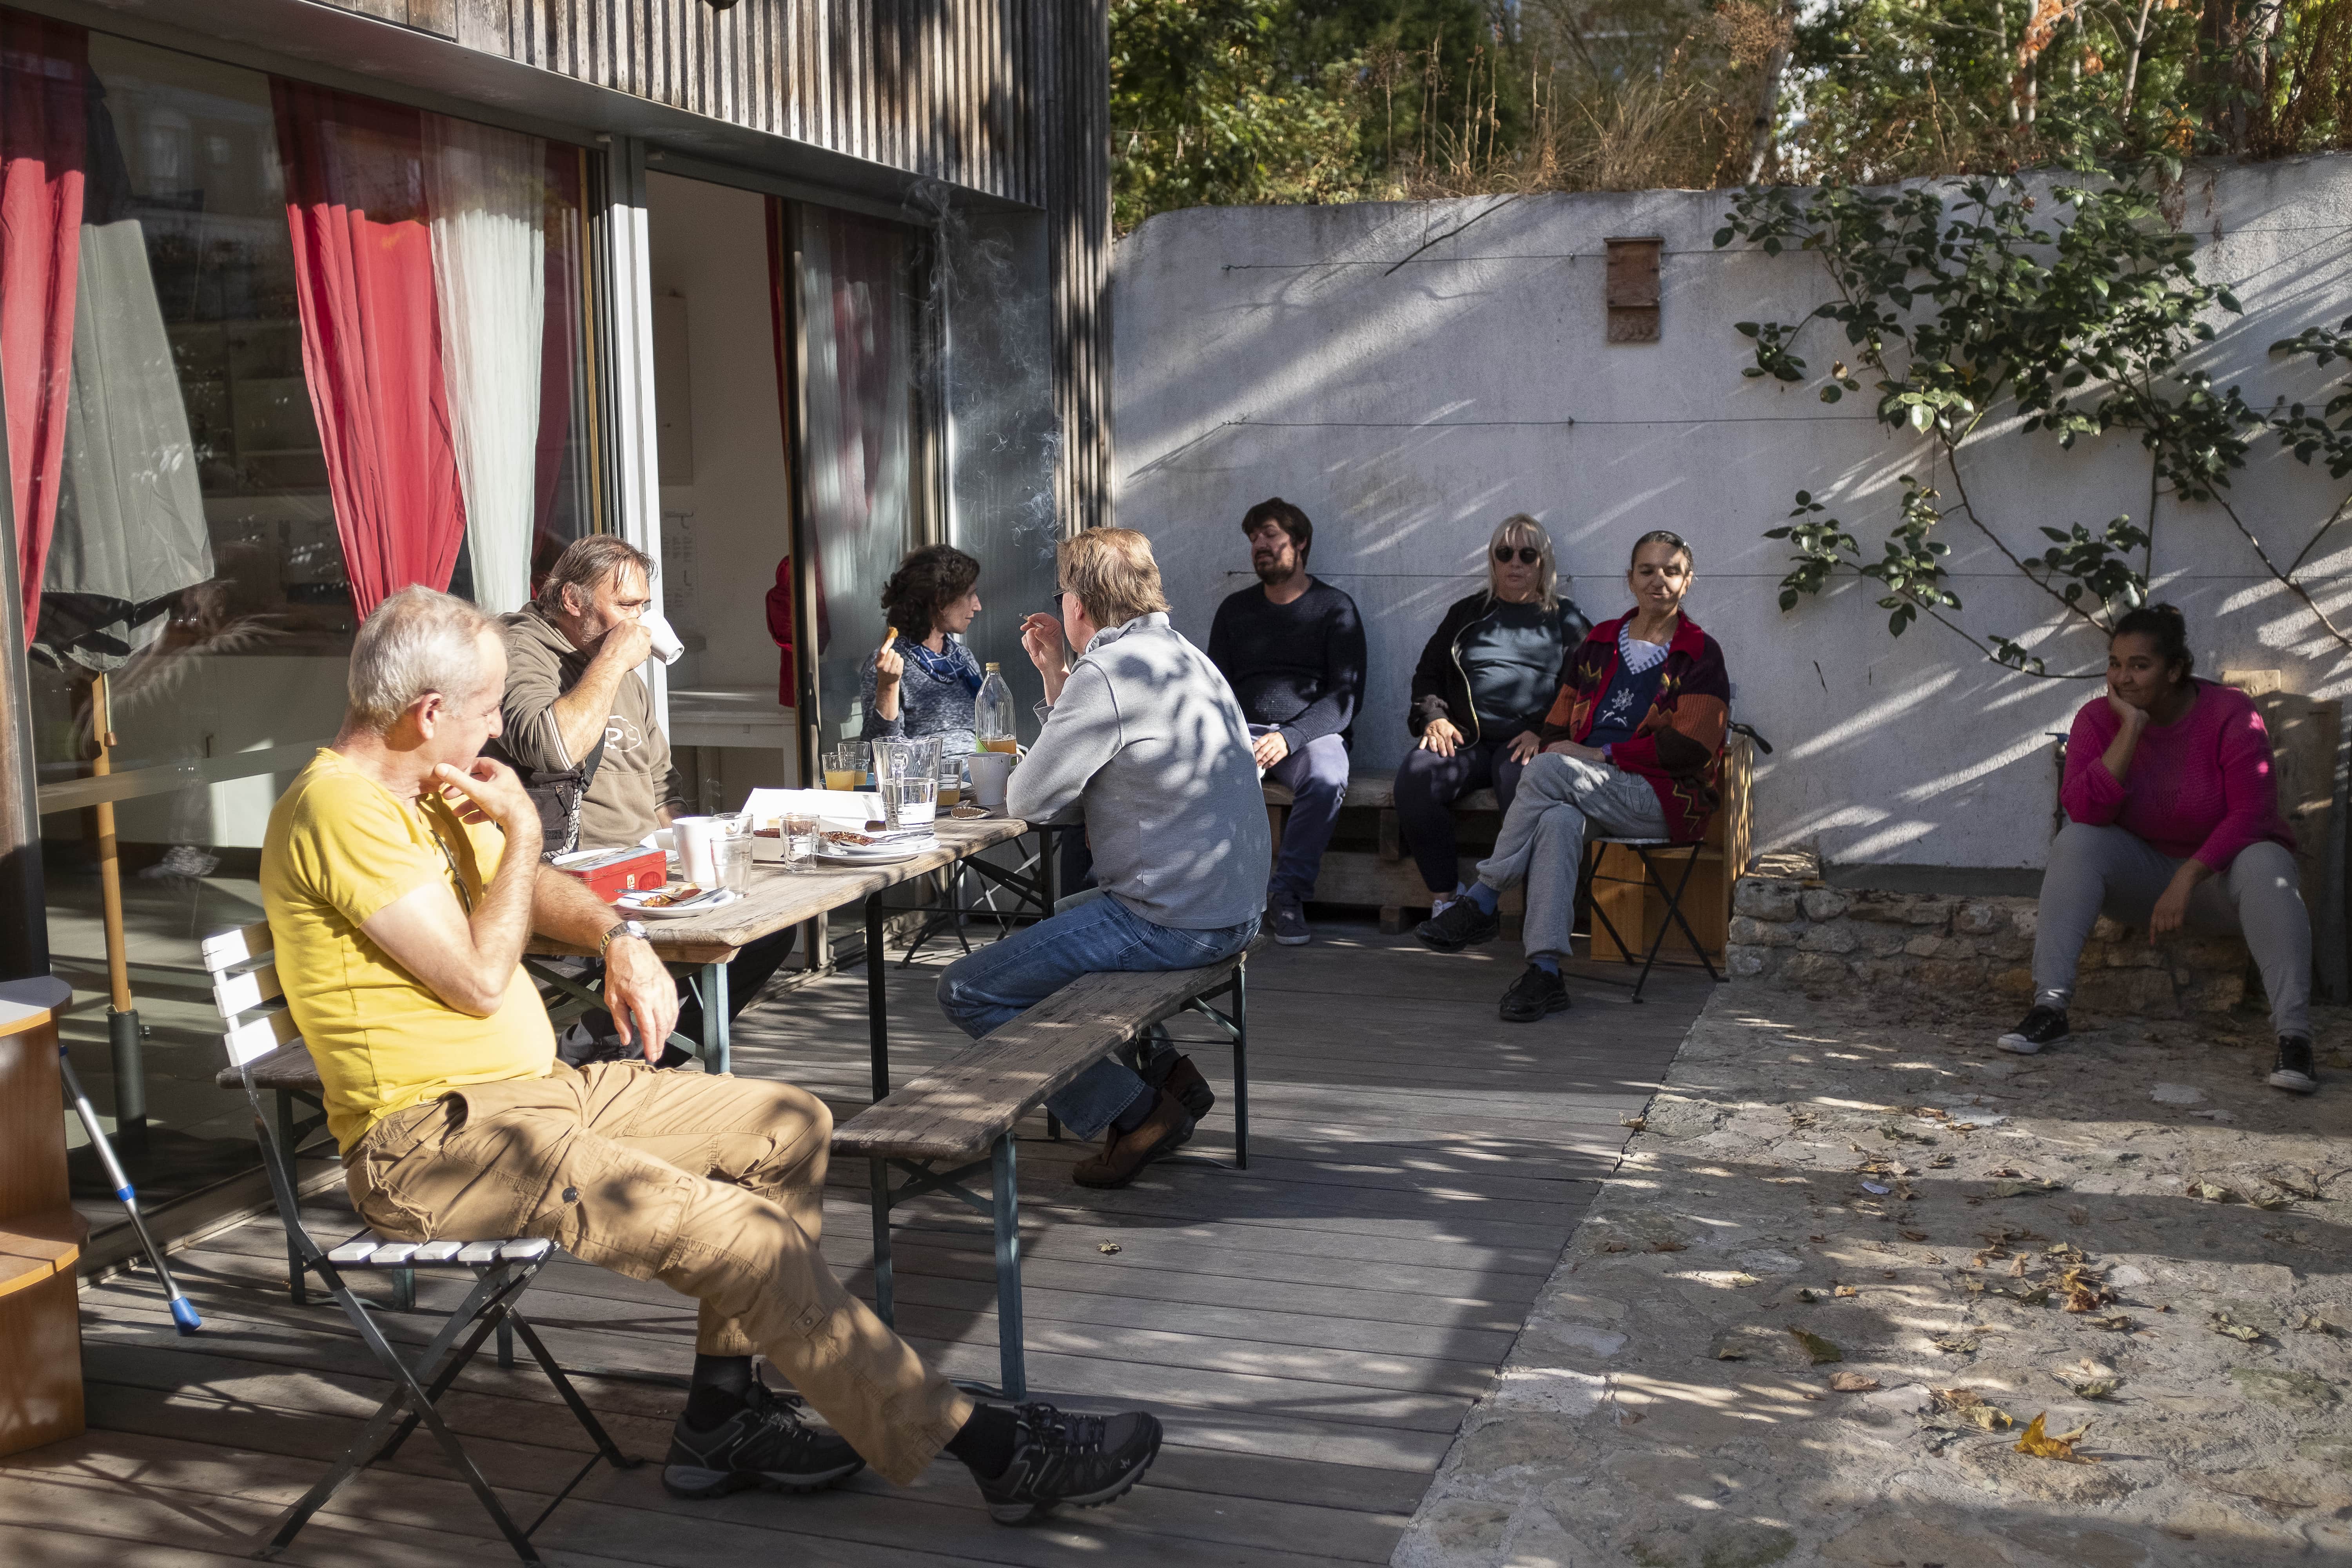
1441	690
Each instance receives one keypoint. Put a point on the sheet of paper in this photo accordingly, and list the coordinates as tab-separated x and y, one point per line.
854	807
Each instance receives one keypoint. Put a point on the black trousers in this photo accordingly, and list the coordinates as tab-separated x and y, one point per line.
1427	784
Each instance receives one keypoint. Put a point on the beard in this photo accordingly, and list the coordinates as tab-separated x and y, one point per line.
1270	570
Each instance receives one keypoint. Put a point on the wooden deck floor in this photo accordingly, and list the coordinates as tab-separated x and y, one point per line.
1311	1330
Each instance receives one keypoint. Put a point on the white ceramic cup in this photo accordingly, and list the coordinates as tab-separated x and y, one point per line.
989	771
696	860
666	648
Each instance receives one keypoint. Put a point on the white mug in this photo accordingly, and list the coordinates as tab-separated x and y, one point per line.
989	771
696	859
666	648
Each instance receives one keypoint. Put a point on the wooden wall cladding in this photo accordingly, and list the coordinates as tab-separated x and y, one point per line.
1007	97
1632	287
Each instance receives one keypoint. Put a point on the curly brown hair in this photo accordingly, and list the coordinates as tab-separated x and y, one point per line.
926	581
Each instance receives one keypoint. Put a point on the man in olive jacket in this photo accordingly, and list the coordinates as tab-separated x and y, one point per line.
571	679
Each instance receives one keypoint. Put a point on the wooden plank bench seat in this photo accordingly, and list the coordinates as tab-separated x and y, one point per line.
965	1110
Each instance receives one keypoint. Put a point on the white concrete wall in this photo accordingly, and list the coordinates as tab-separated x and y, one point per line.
1269	351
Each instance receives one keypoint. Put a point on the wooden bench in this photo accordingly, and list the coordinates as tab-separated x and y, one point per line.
41	1234
961	1113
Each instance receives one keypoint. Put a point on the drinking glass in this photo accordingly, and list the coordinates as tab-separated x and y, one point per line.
799	832
951	786
908	802
841	766
734	857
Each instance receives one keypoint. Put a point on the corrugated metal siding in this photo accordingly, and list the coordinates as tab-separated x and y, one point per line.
1009	97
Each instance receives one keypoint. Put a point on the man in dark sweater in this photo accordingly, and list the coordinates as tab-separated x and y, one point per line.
1293	650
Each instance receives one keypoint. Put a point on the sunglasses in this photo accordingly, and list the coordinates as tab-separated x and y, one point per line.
1528	556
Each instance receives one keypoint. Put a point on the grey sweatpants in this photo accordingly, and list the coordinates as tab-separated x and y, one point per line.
2114	871
1542	841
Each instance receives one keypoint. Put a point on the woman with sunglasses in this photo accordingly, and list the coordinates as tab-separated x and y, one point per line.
1632	747
1484	680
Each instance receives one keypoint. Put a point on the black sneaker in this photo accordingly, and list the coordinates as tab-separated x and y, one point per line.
2295	1072
2040	1027
1459	924
762	1445
1059	1457
1535	995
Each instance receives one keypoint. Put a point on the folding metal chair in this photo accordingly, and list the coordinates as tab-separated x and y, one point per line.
258	1027
1595	847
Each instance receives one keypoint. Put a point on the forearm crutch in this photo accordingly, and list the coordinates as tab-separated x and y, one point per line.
184	1312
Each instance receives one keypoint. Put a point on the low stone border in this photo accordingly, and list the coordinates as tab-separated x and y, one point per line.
1799	931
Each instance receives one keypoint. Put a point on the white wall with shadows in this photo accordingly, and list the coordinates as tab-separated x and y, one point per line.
1408	408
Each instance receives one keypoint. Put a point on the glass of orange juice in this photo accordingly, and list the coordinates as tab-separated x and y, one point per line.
841	769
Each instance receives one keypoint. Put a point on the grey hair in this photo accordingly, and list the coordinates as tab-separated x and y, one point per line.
587	561
416	642
1515	530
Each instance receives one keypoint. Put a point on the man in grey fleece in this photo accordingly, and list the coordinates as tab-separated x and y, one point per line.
1145	737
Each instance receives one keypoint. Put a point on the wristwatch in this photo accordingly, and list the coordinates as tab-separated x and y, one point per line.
625	927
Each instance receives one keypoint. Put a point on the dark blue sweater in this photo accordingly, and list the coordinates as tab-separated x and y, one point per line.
1298	666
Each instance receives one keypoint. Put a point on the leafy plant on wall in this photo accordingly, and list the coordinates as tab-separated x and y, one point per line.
1955	298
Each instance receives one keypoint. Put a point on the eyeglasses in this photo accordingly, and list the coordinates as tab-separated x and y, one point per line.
1528	556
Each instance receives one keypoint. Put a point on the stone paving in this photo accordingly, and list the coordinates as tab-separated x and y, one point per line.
1853	1251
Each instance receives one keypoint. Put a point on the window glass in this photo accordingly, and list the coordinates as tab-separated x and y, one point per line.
196	596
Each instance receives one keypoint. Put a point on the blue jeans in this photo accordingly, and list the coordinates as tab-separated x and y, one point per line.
1316	778
1090	931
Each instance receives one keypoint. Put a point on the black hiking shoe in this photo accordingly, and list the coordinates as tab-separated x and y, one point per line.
763	1445
1536	994
2295	1072
1059	1457
1459	924
2041	1026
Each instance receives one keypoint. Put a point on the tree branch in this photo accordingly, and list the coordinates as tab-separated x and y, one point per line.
2297	589
1952	461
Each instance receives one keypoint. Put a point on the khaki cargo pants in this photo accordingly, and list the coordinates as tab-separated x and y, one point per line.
712	1185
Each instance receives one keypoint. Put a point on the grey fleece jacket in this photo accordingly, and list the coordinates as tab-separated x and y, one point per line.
1150	741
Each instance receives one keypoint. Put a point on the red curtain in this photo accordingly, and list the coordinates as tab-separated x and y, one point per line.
372	335
44	137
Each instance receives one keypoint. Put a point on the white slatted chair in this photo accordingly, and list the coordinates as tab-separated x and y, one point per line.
263	1046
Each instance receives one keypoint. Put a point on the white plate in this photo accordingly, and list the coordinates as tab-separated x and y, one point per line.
626	904
873	854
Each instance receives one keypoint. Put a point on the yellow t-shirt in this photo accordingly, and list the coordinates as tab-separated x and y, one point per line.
340	848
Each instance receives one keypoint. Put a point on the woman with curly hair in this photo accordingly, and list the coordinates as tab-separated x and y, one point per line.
922	681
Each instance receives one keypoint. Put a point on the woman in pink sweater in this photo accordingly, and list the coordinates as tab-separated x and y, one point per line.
2173	821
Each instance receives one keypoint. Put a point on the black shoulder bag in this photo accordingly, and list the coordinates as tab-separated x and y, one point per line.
558	793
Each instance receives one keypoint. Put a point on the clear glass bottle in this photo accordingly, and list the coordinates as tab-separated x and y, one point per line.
992	714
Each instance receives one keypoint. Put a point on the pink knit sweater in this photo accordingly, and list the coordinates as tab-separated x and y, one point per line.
2200	788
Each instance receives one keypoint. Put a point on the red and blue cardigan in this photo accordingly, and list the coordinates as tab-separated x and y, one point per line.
1678	745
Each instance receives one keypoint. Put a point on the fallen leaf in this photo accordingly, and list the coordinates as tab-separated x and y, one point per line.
1106	1248
1915	1236
2004	1170
2020	1186
2223	1323
1818	1348
1955	1344
1851	1383
1844	1290
2097	1387
2083	1290
2042	1445
1635	1122
2306	1188
1614	1247
1941	1161
2116	1323
2313	1323
1807	1297
1973	1408
1730	1352
2211	1193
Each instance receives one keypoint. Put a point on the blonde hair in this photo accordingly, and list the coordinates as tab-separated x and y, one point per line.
416	642
1112	572
1517	530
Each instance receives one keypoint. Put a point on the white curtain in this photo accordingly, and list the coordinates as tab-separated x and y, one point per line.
486	192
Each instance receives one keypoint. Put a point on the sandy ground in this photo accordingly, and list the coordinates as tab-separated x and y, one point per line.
1854	1251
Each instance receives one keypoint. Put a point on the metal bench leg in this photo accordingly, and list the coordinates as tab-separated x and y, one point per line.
880	1168
1241	1067
298	1277
1004	1184
506	1345
404	1289
1053	1126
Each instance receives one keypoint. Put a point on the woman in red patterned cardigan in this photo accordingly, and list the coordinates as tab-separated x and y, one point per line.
1633	745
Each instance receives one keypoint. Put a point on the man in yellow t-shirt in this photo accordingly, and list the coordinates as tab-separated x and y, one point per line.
402	879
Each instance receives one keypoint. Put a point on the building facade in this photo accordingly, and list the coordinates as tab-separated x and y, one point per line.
307	299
